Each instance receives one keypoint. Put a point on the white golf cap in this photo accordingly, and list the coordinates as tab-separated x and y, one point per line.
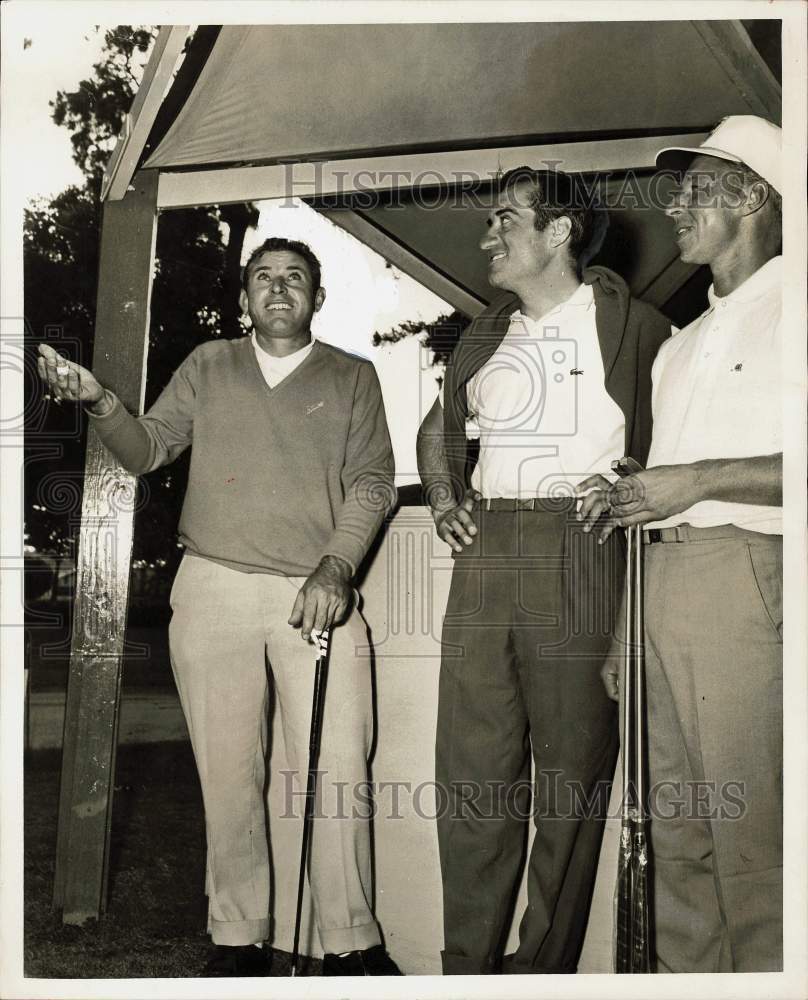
739	139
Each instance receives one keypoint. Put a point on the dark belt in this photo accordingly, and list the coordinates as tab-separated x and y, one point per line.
687	533
541	505
654	535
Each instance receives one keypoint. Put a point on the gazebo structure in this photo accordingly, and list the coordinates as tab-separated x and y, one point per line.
390	130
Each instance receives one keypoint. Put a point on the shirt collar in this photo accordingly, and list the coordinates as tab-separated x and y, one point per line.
582	296
270	359
766	278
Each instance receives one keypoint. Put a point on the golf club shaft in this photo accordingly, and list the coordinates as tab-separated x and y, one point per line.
628	678
318	701
638	639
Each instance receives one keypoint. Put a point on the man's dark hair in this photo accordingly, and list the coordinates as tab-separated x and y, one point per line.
275	243
554	194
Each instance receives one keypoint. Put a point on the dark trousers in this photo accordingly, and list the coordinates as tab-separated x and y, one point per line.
530	616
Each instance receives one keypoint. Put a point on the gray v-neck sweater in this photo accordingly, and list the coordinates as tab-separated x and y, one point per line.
279	477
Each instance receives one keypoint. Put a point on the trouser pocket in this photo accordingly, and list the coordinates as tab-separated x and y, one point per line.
766	563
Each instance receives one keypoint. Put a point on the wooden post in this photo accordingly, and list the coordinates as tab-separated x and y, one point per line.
102	565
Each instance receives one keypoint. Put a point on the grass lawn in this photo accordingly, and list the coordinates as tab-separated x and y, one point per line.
155	922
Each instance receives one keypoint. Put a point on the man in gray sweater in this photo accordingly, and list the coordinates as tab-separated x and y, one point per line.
291	475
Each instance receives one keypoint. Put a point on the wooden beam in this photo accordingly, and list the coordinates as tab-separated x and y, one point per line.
186	189
405	260
103	562
732	47
667	282
137	124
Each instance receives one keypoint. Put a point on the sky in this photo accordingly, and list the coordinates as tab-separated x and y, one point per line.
363	295
53	61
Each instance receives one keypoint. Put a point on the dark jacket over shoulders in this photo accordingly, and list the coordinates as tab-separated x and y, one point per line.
630	333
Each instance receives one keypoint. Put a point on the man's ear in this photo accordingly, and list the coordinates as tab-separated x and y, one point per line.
319	298
757	194
242	301
560	230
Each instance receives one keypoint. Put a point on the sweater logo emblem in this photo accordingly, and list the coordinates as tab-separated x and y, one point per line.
738	367
313	407
576	371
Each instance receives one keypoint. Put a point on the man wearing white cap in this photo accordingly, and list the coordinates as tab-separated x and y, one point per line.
711	501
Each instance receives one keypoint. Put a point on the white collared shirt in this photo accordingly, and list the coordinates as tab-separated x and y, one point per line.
544	416
275	369
718	390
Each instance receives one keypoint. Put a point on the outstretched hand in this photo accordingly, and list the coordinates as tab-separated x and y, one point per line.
67	380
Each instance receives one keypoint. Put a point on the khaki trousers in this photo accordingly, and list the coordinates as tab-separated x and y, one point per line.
713	617
225	626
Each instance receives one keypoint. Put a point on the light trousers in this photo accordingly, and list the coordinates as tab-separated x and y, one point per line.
713	618
226	625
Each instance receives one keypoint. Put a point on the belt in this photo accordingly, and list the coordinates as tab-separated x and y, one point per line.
687	533
541	505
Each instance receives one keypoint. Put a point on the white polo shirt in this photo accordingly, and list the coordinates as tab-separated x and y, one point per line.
717	393
544	416
275	369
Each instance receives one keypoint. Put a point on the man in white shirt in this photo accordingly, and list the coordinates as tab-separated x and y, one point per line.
556	376
712	503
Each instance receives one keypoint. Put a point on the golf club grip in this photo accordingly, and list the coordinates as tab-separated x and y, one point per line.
318	699
626	466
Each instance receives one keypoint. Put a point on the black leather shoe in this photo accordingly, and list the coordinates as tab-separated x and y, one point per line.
242	961
371	962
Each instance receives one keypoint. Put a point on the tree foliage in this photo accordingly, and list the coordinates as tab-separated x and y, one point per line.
196	273
440	336
94	113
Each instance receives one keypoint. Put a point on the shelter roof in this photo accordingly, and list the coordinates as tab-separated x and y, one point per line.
332	112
